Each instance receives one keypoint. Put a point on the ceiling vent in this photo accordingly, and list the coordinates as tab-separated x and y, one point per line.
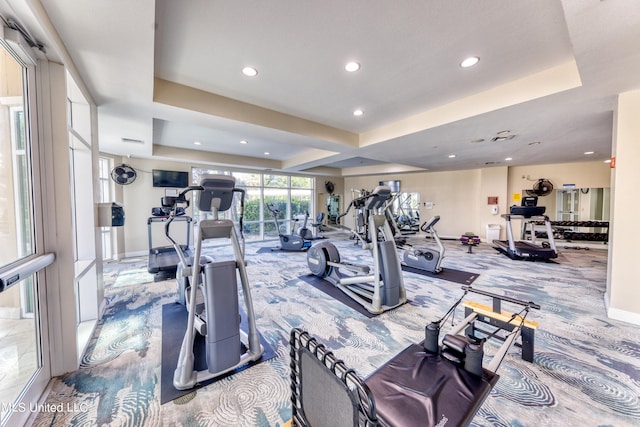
502	138
132	141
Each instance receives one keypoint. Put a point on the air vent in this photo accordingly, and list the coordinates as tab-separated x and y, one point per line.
491	163
502	138
132	141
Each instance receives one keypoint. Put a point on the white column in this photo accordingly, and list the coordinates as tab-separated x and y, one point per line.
623	286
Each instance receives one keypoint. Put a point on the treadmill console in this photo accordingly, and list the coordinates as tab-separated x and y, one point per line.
528	207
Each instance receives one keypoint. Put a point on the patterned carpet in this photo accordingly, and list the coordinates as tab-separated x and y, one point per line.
585	371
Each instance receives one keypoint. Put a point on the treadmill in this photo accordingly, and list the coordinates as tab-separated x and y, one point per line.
522	249
163	260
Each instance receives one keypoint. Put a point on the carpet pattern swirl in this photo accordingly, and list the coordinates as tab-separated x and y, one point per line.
586	369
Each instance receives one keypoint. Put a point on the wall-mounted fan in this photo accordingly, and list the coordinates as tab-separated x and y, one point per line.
123	174
542	187
330	186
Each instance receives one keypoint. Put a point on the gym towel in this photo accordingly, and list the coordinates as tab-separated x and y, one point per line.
174	324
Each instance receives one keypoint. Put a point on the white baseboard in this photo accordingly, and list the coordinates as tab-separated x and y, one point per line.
623	315
10	313
133	254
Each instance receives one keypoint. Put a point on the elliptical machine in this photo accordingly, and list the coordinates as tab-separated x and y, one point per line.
426	259
288	242
377	291
210	289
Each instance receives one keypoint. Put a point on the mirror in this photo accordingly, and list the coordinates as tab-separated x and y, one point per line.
405	209
333	208
582	204
577	204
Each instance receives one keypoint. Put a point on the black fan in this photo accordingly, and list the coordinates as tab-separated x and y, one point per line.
542	187
330	186
123	174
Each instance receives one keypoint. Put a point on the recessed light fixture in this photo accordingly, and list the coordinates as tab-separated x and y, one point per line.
508	159
197	143
608	161
451	156
470	62
249	71
588	152
358	112
244	141
352	67
266	153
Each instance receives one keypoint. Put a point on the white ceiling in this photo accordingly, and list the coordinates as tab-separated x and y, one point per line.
167	73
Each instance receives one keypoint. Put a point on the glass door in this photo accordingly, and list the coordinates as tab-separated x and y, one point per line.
568	203
24	371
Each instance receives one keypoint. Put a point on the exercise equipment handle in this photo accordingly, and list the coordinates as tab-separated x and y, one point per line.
529	304
241	215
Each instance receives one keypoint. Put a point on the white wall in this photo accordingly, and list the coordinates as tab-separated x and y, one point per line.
454	195
461	197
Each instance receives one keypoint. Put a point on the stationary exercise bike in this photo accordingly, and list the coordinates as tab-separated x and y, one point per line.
313	232
379	290
288	242
303	231
426	259
210	289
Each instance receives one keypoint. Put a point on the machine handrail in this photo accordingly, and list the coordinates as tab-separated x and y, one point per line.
360	201
429	224
180	199
529	304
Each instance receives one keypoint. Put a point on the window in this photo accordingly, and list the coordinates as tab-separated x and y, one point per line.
292	196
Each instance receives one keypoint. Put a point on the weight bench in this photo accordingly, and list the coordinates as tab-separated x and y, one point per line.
432	383
470	239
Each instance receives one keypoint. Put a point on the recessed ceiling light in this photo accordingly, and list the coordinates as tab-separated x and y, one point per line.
358	112
266	153
244	141
508	159
608	161
197	143
588	152
451	156
249	71
470	62
352	67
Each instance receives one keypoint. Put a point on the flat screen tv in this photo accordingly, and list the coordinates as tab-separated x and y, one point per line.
174	179
394	185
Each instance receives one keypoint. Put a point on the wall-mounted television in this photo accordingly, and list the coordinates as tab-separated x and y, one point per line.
394	185
175	179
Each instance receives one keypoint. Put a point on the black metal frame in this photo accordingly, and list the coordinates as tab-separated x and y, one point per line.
366	405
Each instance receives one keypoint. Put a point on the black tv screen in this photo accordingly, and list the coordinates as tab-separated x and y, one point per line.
395	185
173	179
